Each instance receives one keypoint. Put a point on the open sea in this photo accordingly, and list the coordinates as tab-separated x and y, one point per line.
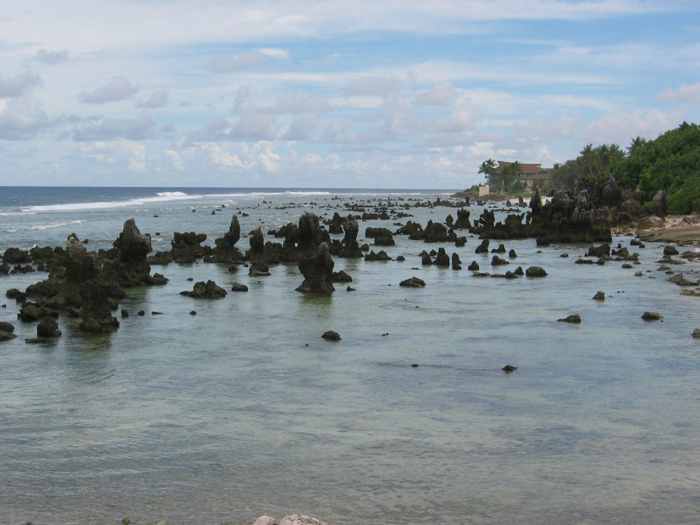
243	410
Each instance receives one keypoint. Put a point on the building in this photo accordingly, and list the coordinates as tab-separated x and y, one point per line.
530	174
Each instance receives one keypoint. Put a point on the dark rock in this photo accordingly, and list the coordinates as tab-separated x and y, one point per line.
48	327
508	369
497	261
670	250
426	260
535	271
501	249
350	289
460	242
574	319
652	316
696	333
208	290
141	313
238	287
258	269
330	335
512	254
29	313
400	258
317	271
442	258
225	250
660	202
474	267
381	236
598	251
599	296
341	277
483	247
381	256
6	327
6	336
125	313
16	256
413	282
193	312
456	262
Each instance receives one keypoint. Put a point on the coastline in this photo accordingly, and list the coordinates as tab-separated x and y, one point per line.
682	229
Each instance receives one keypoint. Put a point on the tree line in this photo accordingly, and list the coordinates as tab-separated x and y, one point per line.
670	163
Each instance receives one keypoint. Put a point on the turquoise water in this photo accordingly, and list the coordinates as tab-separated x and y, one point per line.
243	409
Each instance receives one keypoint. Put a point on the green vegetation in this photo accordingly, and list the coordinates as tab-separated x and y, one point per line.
670	163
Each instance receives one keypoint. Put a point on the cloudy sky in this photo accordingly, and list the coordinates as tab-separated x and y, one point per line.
361	94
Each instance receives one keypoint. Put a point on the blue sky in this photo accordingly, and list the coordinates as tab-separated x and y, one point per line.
389	94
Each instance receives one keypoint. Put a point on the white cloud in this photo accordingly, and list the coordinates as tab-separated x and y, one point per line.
158	99
684	93
50	58
374	86
297	102
175	159
267	158
119	88
229	63
21	118
242	93
442	94
17	86
139	128
250	126
619	128
301	127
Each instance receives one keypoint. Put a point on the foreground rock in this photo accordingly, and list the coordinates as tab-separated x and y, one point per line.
288	520
317	271
48	327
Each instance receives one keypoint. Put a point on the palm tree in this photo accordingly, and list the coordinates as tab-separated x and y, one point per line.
636	142
511	174
488	168
589	157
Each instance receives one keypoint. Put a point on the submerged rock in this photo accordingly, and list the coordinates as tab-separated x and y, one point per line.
573	319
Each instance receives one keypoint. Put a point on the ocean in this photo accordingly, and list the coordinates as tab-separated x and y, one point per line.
243	410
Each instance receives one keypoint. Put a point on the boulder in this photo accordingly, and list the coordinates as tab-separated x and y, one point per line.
132	245
300	520
696	333
652	316
599	296
48	327
381	256
519	271
258	269
473	267
512	254
670	250
238	287
6	327
497	261
442	258
317	270
225	250
7	336
330	335
483	247
208	290
341	277
535	271
456	262
413	282
574	319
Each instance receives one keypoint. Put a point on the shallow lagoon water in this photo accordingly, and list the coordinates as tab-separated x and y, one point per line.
227	415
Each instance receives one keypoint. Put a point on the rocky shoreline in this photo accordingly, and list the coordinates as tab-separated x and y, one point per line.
89	285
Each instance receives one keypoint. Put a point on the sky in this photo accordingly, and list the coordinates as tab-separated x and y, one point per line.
310	94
